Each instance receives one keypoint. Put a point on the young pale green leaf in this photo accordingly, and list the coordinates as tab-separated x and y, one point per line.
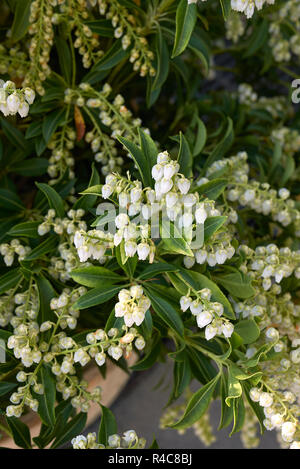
197	405
108	425
226	411
96	296
238	415
95	276
186	16
54	199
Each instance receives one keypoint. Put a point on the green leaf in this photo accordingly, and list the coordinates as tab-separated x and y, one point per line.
212	189
226	411
111	58
10	280
10	201
248	330
222	147
186	16
95	276
20	432
73	428
47	400
150	151
162	65
6	387
27	229
87	201
237	284
43	248
64	58
140	159
21	20
234	387
197	405
30	167
51	122
108	425
238	415
151	357
172	240
165	311
200	139
54	199
102	27
258	38
46	293
153	270
226	8
96	296
14	135
212	225
185	157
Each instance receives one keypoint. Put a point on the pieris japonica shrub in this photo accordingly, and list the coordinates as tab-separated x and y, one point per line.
148	210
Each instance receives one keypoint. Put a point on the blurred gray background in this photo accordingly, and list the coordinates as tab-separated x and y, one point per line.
141	403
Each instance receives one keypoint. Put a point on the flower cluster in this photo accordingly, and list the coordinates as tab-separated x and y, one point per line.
124	27
276	417
9	250
132	305
260	197
104	114
245	6
208	313
283	45
41	30
129	440
13	101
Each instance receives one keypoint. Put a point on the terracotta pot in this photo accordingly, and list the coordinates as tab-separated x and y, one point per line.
111	386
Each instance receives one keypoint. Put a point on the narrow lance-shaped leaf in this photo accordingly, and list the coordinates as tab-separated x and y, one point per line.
197	405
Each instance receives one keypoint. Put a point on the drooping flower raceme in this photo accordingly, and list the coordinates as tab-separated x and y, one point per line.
13	100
